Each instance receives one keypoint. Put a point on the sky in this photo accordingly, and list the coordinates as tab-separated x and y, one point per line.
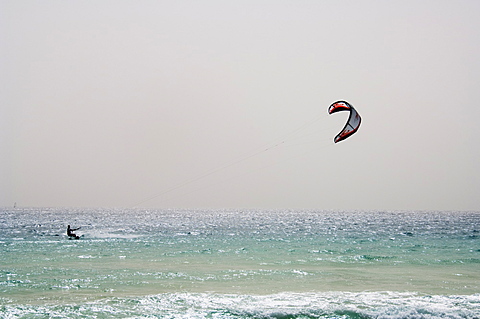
223	104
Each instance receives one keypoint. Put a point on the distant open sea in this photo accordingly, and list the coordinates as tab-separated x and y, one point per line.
139	263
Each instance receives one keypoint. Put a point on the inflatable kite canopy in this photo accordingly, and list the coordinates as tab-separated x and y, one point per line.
353	122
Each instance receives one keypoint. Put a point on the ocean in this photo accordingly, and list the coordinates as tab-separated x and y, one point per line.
147	263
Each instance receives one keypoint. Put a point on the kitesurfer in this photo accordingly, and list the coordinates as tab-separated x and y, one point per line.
70	232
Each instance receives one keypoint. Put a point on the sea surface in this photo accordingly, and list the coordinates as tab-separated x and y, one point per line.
139	263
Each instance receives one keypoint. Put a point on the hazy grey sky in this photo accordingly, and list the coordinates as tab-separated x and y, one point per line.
122	103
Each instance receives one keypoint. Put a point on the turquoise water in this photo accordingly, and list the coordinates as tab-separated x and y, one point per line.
239	264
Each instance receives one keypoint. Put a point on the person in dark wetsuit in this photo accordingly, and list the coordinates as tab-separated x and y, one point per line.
70	232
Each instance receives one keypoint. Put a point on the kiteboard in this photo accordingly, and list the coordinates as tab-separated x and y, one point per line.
76	237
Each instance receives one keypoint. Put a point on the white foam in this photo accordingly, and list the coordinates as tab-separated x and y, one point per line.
387	305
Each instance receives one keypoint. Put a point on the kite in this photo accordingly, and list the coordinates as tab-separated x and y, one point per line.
353	122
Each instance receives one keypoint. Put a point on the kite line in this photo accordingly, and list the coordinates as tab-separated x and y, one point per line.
285	140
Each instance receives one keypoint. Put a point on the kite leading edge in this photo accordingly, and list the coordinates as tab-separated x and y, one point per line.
353	122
